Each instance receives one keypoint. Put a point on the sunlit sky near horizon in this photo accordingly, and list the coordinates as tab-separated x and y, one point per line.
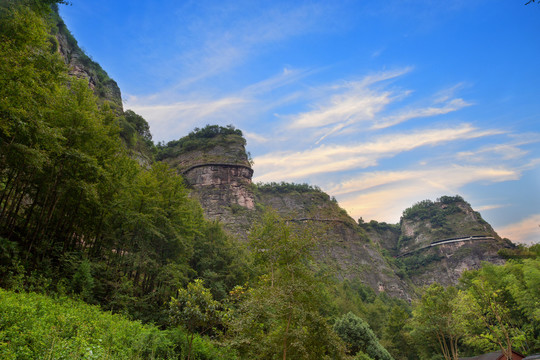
380	103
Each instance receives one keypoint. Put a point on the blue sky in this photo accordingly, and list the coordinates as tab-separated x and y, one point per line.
380	103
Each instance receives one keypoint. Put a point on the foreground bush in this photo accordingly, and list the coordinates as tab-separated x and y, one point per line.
34	326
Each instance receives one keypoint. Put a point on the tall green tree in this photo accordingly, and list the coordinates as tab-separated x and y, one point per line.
495	307
195	309
279	316
435	321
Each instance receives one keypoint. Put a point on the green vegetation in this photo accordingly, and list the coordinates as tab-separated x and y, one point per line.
104	87
135	133
285	187
435	321
77	214
104	258
195	309
200	139
436	212
379	226
34	326
359	337
495	308
280	312
416	263
520	252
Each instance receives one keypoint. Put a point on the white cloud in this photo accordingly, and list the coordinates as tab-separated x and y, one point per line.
449	106
254	137
490	152
291	166
383	195
445	178
225	38
349	102
171	121
490	207
526	231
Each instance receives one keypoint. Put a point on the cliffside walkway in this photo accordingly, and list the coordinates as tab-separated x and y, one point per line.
315	219
448	241
217	164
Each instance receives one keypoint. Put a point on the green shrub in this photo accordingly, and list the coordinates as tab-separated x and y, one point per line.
34	326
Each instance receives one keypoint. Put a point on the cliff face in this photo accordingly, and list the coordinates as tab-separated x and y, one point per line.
437	241
389	258
220	176
219	172
342	246
82	66
220	186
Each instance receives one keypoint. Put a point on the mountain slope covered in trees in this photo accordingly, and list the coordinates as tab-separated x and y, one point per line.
87	213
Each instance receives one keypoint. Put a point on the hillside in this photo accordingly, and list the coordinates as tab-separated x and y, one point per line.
101	230
214	162
437	241
389	258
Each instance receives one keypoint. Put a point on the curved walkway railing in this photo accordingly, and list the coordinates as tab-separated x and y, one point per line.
448	241
216	164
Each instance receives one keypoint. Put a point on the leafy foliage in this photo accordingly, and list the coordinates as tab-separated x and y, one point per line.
359	337
35	326
284	187
496	308
199	139
74	207
278	317
435	321
195	309
38	327
434	211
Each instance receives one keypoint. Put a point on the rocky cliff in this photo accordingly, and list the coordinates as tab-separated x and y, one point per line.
214	163
437	241
343	248
391	258
218	170
82	66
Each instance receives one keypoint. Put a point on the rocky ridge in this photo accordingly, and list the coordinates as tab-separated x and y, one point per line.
389	258
81	65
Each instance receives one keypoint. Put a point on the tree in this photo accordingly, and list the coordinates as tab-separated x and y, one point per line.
279	316
397	339
434	320
491	315
195	309
359	338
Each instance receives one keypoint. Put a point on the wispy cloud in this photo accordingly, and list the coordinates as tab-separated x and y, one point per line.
224	38
491	207
446	178
254	137
449	106
332	158
351	101
180	117
383	195
526	231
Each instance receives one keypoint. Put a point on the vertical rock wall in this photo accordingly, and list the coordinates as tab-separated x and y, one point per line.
220	186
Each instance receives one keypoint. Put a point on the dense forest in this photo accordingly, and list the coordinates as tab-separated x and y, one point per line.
102	257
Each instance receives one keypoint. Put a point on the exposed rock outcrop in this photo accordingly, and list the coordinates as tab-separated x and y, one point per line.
82	66
220	174
426	223
343	247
